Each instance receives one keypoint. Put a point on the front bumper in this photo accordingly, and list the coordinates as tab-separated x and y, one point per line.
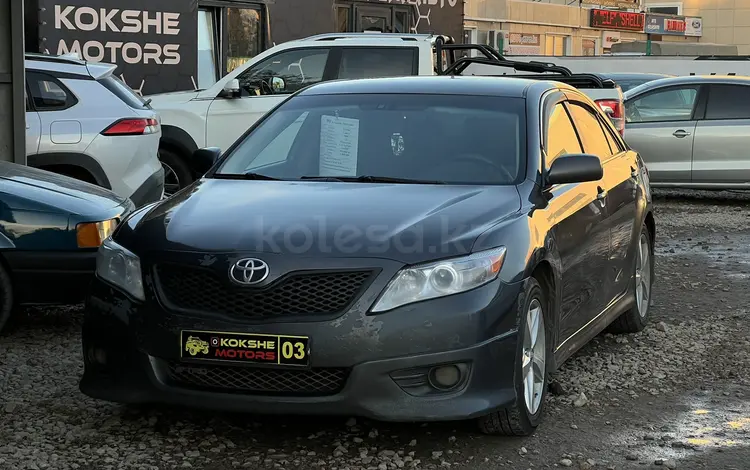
380	364
49	277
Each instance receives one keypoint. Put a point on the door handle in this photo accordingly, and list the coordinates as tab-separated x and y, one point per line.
679	133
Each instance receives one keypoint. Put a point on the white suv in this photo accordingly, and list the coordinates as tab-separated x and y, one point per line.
84	122
219	115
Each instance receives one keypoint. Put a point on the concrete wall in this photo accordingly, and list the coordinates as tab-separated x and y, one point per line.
724	21
12	105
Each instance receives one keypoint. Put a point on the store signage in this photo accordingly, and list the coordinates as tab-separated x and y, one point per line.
693	26
609	38
522	44
152	43
614	19
631	4
665	24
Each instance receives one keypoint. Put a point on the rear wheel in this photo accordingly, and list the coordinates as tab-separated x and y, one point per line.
6	297
530	374
177	174
635	319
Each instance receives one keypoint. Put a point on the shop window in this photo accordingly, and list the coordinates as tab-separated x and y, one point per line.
483	37
208	65
665	8
244	36
401	21
589	47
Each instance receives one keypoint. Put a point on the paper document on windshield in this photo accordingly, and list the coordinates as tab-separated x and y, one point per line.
339	139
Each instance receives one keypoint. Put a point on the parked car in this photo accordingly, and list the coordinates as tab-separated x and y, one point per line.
692	132
632	80
396	248
220	114
50	229
84	122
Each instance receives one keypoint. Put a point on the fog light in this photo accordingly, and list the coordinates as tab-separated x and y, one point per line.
445	377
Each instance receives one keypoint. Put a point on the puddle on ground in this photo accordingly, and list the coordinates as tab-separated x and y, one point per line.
719	251
705	422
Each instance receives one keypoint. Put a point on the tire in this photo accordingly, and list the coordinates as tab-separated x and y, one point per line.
177	173
6	297
636	318
522	419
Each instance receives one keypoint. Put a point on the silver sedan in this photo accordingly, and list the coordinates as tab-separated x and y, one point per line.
692	131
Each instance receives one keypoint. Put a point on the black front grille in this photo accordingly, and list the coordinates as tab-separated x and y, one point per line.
303	293
321	381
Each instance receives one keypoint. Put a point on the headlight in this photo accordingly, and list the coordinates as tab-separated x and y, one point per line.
121	268
92	234
441	278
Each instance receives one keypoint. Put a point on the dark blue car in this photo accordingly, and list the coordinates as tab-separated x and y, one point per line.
50	229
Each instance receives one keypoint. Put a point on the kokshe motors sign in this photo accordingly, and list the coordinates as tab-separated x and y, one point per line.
153	43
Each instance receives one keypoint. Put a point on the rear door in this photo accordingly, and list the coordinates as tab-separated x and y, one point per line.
60	122
375	62
721	150
581	235
660	125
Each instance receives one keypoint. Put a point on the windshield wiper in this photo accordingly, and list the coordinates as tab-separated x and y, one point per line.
370	179
244	176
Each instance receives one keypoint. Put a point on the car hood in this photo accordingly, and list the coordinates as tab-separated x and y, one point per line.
174	97
404	222
52	192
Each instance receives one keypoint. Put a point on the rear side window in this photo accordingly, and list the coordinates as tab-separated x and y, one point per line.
373	62
590	131
124	92
561	136
48	93
728	102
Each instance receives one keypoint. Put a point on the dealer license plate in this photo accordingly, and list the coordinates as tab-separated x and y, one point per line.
245	348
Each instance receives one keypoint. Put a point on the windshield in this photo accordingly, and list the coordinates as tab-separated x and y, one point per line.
454	139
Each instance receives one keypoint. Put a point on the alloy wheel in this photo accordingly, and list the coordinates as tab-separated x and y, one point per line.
643	276
171	180
533	366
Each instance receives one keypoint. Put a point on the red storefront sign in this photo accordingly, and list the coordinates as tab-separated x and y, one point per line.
613	19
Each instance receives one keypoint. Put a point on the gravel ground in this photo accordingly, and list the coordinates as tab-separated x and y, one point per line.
674	396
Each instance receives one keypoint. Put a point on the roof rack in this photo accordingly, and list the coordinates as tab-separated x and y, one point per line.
338	36
65	59
540	70
722	57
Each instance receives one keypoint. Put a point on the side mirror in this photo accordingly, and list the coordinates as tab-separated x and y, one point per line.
204	159
278	84
575	168
231	88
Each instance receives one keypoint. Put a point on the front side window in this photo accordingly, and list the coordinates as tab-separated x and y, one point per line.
48	94
728	102
673	104
590	131
296	68
377	62
443	138
561	136
244	36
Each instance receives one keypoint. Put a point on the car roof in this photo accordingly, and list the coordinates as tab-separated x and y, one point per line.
364	38
689	80
441	85
55	63
633	75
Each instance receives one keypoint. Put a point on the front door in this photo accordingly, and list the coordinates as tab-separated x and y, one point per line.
373	19
230	117
721	152
660	125
580	232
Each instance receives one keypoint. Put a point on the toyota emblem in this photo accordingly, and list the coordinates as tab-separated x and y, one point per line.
249	271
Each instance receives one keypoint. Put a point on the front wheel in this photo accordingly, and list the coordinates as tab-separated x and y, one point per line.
530	373
635	319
